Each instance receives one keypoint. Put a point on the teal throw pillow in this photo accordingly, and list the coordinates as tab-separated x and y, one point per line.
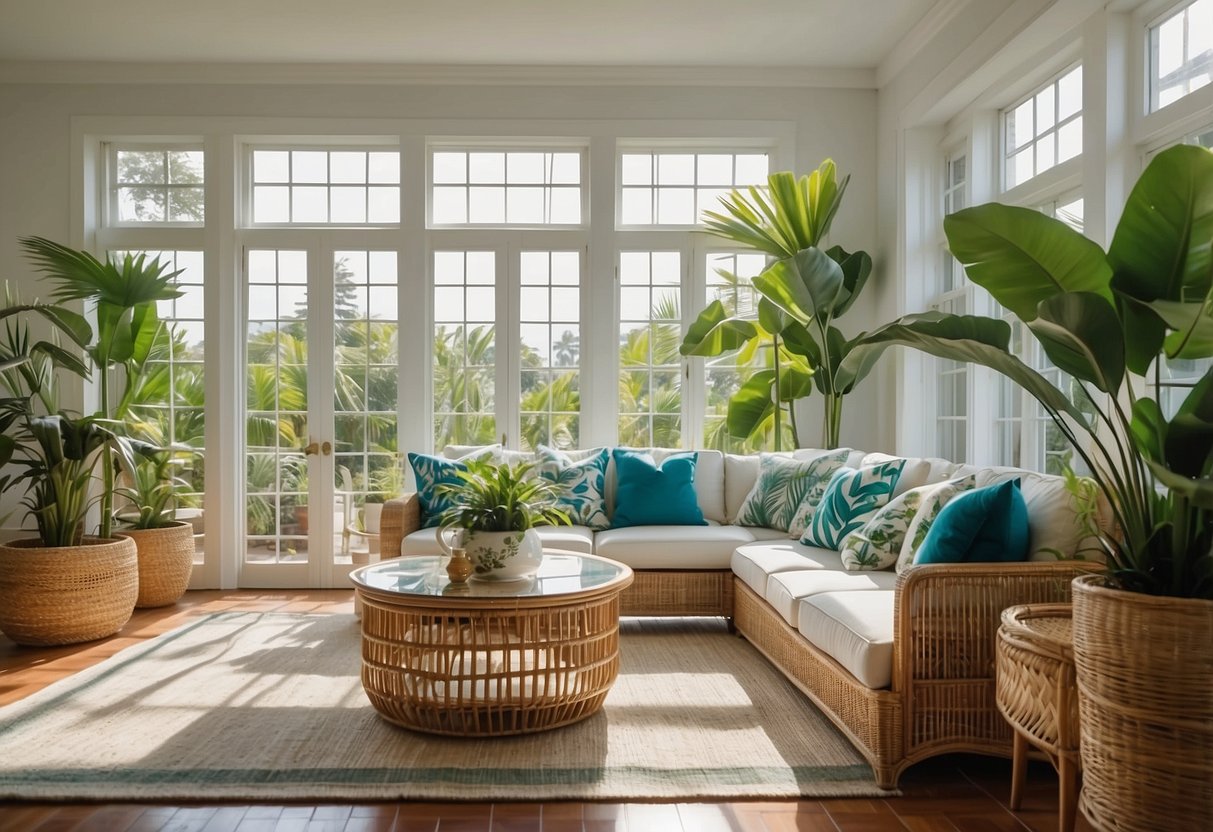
986	525
433	471
852	496
580	482
647	494
788	490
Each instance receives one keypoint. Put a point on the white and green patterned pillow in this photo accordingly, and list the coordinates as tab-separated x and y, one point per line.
581	483
932	503
852	496
783	485
430	472
877	544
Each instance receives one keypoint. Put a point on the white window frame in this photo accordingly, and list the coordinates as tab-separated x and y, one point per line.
109	216
1005	151
1150	97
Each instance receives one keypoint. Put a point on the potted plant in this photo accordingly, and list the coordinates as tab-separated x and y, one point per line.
165	544
496	507
62	586
1143	631
802	291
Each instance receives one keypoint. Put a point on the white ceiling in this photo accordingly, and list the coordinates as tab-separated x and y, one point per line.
711	33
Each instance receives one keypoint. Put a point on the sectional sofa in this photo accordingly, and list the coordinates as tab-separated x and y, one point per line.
903	664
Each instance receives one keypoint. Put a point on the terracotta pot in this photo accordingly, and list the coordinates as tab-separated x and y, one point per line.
1145	688
67	594
166	559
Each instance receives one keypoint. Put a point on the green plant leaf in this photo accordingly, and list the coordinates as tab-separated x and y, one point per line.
803	286
1198	491
1080	332
715	332
856	268
751	405
1193	328
1189	437
1149	428
1021	257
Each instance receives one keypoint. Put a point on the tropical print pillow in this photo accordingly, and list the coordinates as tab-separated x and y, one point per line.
852	496
932	503
784	485
877	544
433	471
581	483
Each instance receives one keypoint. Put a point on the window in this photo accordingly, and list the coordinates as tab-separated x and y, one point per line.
510	187
650	331
464	348
1181	53
728	281
321	187
550	321
953	295
1043	130
668	188
168	408
156	185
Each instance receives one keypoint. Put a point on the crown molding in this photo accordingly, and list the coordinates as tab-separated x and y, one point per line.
80	72
918	38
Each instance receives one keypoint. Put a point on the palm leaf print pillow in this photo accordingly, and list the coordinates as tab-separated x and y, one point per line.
851	497
783	485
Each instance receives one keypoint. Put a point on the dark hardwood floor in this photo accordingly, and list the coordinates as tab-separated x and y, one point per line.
949	794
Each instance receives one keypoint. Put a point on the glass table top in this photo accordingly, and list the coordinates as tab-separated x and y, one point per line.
425	576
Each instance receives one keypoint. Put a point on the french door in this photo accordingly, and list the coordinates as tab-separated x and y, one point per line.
320	403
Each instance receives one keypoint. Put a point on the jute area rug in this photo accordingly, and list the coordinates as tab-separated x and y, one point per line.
269	706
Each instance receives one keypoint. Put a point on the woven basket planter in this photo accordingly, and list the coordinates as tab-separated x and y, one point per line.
166	559
1145	682
67	594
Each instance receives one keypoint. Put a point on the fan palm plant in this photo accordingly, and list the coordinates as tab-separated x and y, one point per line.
123	295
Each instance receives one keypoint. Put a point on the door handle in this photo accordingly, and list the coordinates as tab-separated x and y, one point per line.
327	448
312	448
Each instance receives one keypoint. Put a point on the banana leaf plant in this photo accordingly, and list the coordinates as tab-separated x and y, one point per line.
1107	319
803	291
122	294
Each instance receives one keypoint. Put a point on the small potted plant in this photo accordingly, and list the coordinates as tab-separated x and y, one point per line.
497	506
165	544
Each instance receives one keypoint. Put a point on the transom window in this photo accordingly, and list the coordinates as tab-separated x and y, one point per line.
506	187
1181	53
322	187
1043	130
157	185
675	188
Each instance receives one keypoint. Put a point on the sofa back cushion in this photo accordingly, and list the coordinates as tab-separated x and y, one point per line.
709	480
1053	512
917	472
652	493
741	473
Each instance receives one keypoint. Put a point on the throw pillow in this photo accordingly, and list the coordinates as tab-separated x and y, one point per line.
788	491
433	471
877	544
987	525
581	484
652	495
926	516
852	496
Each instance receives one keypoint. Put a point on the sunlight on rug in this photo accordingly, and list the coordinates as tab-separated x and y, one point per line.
257	706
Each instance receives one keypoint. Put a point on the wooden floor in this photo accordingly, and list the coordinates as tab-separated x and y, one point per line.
949	794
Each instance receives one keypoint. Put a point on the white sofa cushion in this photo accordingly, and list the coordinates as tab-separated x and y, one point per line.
1052	512
757	561
572	538
672	547
855	629
785	590
741	473
709	480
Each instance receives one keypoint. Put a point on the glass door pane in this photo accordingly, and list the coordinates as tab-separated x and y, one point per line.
550	348
366	367
276	420
464	348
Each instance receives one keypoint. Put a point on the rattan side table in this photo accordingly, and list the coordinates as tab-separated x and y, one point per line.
1038	694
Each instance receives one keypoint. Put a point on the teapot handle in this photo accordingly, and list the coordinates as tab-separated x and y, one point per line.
456	537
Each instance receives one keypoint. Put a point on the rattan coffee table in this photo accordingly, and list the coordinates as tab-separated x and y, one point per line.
490	658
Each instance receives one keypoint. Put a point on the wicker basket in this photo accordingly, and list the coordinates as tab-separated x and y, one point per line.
1145	681
67	594
166	559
